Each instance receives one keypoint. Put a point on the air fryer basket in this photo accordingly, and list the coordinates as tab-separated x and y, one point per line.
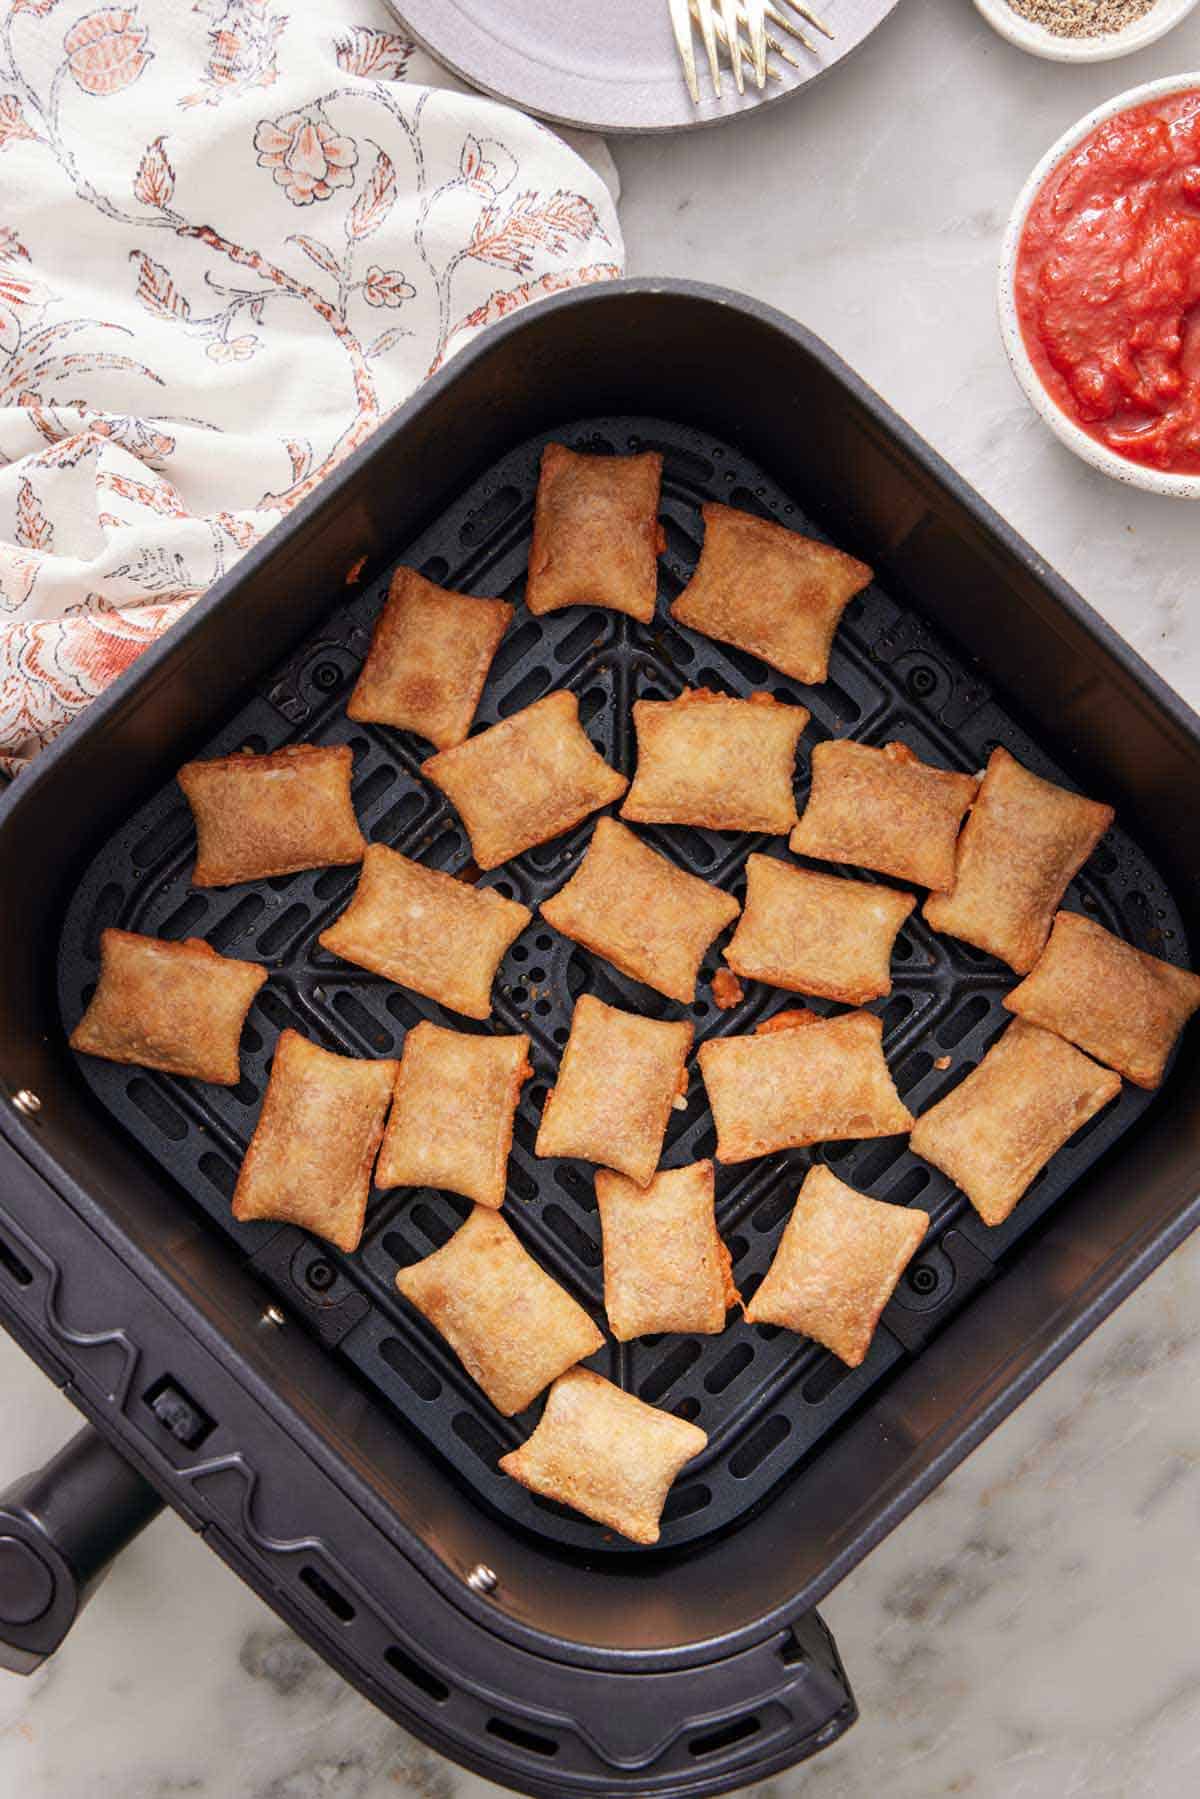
765	1397
357	1489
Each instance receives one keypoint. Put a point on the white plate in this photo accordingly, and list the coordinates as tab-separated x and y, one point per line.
612	65
1161	18
1134	474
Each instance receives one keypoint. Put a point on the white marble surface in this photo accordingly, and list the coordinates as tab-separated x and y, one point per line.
1030	1632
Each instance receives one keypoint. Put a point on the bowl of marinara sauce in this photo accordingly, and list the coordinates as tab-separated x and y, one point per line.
1100	287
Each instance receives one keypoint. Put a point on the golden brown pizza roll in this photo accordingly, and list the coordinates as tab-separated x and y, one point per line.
883	809
451	1123
596	535
606	1454
510	1324
994	1132
1119	1004
665	1266
526	780
619	1077
313	1149
258	816
720	763
818	1081
632	906
837	1265
1024	841
817	933
425	930
179	1007
770	591
429	658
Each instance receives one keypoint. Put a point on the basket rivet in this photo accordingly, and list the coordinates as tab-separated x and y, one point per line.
482	1579
273	1315
27	1101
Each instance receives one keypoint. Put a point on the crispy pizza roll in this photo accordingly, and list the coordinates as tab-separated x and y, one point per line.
511	1325
429	658
817	933
451	1123
606	1453
883	809
596	535
313	1149
632	906
837	1265
994	1132
1024	841
817	1081
618	1079
526	780
1121	1005
770	591
274	814
665	1265
425	930
179	1007
720	763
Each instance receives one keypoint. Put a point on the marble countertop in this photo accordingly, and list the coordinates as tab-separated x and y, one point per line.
1030	1632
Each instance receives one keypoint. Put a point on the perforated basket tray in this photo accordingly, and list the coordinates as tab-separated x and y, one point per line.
765	1397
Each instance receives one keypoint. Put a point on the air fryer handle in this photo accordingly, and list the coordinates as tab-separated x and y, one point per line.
60	1528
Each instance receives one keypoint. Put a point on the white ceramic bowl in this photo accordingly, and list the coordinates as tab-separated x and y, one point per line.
1135	474
1161	18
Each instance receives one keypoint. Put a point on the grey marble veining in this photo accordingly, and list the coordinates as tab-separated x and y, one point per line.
1030	1633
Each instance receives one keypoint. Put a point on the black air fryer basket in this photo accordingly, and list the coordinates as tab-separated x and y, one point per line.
280	1395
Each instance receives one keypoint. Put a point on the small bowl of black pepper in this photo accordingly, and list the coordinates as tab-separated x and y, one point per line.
1083	30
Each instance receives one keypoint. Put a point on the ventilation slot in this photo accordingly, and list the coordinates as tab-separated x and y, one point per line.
416	1673
286	925
489	517
909	1186
527	689
569	1232
964	1020
13	1266
755	1449
738	1730
107	910
328	1594
669	1370
237	922
728	1368
368	791
685	1502
159	1110
411	1369
475	1434
531	1741
389	827
184	919
513	649
168	834
360	1020
218	1173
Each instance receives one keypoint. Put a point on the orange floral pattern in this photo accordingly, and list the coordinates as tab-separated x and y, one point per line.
226	362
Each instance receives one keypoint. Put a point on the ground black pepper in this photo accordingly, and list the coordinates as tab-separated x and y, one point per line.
1082	18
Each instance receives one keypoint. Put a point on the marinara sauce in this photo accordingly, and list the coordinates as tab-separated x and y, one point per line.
1108	283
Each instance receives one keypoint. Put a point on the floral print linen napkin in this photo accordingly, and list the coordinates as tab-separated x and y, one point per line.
233	237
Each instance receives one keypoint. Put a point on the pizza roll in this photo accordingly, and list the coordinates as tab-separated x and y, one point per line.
275	814
837	1265
526	780
665	1266
1024	841
720	763
451	1124
1119	1004
606	1454
883	809
769	591
426	930
618	1080
179	1007
511	1325
817	933
313	1149
429	658
817	1080
996	1130
632	906
596	535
